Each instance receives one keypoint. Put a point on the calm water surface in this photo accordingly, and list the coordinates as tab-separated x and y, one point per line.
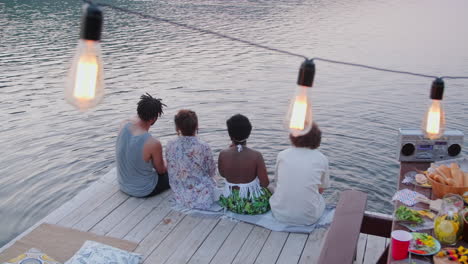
50	151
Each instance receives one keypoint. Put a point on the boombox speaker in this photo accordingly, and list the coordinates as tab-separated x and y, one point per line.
414	147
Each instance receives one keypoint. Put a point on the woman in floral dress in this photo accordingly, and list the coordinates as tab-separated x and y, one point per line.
190	164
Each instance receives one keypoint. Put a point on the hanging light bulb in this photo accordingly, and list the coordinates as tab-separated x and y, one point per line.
85	82
299	118
433	124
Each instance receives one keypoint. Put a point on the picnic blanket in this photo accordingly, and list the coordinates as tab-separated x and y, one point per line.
59	242
264	220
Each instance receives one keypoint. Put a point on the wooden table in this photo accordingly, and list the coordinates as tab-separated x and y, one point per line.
404	168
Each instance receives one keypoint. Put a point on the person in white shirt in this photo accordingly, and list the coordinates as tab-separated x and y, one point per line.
301	175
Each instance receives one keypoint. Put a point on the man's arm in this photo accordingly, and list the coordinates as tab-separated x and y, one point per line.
157	157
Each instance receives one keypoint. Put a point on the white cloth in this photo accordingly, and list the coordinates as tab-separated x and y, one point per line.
93	253
268	221
264	220
300	172
249	190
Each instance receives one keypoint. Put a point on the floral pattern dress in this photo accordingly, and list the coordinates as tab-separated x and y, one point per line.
191	169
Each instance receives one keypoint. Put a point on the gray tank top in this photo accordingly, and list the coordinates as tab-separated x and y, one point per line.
136	176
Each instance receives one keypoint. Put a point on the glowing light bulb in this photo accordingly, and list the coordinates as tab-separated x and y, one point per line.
85	87
85	82
300	113
299	117
433	124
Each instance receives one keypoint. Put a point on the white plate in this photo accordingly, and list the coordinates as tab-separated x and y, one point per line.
434	251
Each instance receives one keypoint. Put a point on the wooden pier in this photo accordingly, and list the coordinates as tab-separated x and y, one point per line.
167	236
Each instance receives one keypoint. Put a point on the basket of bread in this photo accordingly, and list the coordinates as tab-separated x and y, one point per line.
447	178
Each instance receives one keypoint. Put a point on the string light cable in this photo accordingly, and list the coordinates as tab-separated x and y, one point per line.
253	44
299	119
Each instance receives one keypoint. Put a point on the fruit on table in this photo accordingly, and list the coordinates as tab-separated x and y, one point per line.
447	227
426	213
422	243
459	254
417	251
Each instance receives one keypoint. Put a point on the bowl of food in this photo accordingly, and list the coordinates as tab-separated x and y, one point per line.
447	179
423	244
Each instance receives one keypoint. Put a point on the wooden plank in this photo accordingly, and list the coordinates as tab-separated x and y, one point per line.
148	223
101	211
101	185
91	204
159	233
189	246
83	196
111	176
272	248
131	220
404	168
313	246
60	242
175	238
384	256
110	221
60	212
213	242
252	246
233	243
64	209
292	249
361	247
375	247
346	225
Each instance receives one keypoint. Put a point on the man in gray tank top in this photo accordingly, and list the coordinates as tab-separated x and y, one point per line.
141	171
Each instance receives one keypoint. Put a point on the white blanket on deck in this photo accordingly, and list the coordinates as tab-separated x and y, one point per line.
264	220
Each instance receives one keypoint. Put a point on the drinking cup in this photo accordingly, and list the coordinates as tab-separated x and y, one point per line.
400	244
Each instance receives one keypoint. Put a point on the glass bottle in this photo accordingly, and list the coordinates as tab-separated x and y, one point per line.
448	225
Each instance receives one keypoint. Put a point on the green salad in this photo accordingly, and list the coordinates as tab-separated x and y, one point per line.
403	213
423	244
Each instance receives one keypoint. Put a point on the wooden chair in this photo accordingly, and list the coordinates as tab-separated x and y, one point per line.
343	235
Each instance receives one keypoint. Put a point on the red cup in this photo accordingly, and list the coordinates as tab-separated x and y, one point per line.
400	244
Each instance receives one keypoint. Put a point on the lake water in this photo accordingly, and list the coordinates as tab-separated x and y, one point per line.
50	151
